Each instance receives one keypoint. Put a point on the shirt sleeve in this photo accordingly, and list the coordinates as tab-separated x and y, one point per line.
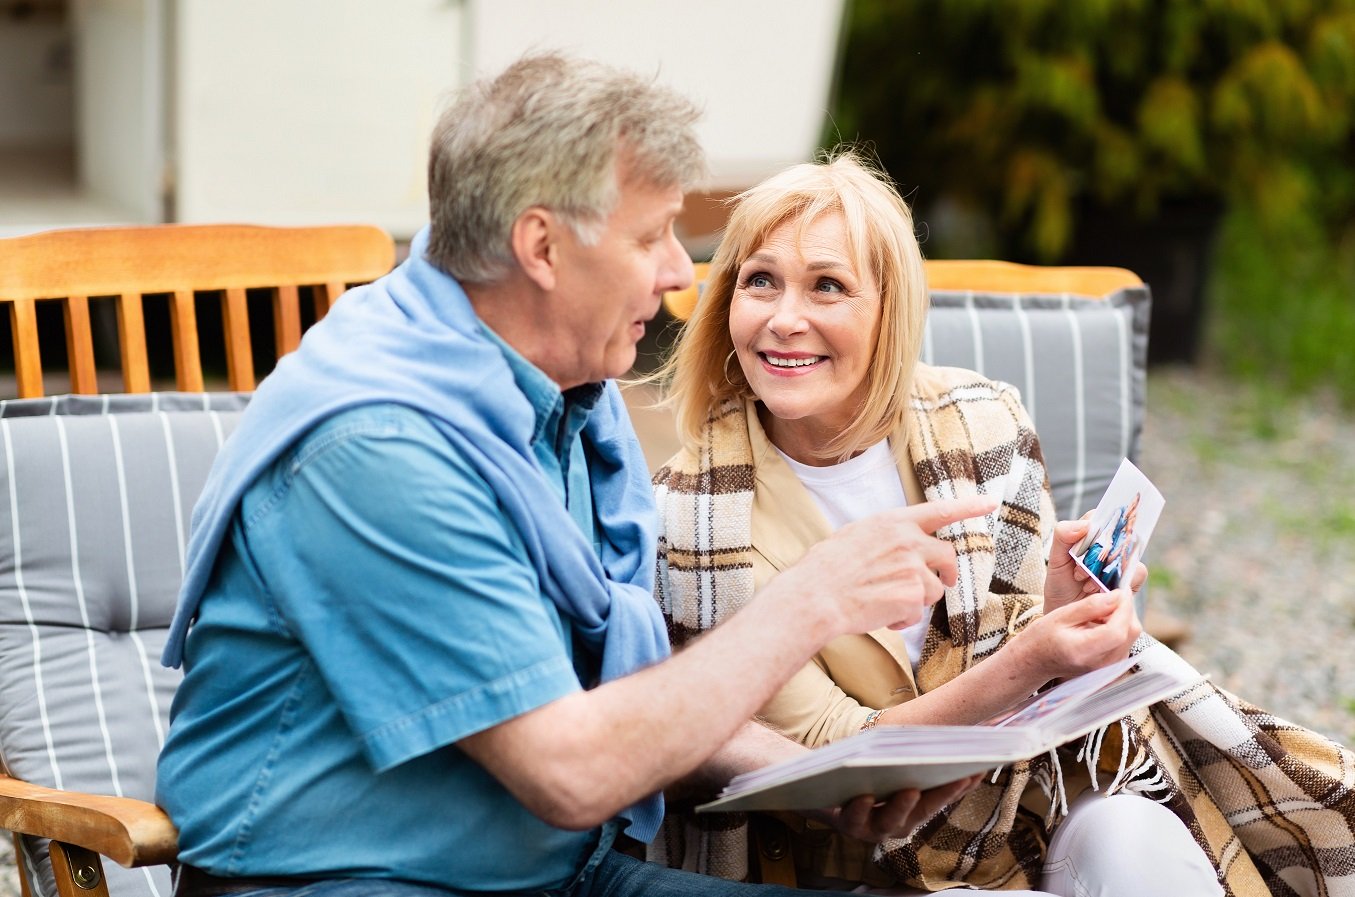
388	559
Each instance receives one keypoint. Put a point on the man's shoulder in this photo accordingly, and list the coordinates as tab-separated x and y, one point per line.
371	419
381	445
373	457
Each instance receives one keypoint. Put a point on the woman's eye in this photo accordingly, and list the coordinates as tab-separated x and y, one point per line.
758	281
828	285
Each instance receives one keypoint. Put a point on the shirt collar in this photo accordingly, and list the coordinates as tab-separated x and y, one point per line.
543	394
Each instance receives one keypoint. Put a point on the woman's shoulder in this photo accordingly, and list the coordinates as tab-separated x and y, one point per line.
968	399
936	382
723	443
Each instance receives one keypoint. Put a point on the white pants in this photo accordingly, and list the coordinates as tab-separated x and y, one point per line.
1119	846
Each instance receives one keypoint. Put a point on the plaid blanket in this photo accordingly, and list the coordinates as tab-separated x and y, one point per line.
1270	803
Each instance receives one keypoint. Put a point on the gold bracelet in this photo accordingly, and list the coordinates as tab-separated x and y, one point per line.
871	720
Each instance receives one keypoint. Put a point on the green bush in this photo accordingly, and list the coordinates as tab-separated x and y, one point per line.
1022	110
1282	306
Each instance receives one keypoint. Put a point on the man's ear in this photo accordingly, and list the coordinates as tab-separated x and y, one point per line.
533	240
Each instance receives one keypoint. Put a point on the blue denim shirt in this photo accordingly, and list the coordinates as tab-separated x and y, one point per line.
371	607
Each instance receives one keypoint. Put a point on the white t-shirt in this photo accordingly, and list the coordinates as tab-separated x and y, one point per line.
857	488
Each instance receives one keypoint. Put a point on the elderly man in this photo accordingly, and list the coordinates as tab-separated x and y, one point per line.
424	656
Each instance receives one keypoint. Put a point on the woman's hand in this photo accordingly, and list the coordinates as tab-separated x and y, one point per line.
1081	636
1065	580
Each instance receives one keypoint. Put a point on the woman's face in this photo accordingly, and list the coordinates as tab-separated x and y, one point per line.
804	322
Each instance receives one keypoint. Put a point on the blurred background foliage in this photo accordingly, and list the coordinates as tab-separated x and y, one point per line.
1217	132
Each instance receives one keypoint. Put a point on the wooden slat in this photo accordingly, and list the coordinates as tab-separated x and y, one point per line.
286	319
239	355
80	346
21	860
183	325
987	276
136	369
77	871
23	321
326	296
136	261
162	259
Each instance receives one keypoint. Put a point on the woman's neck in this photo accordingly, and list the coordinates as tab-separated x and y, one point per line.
803	440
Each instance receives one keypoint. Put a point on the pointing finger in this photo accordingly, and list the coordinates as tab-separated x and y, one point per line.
933	515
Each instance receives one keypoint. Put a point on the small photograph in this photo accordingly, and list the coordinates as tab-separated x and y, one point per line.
1120	527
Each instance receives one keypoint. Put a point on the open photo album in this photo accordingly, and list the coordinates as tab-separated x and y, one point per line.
884	760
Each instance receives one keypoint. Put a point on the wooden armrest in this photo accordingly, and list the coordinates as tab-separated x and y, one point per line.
129	832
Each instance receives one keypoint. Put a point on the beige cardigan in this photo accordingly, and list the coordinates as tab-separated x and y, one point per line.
831	696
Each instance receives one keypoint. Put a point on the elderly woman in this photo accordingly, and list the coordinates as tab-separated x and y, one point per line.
803	406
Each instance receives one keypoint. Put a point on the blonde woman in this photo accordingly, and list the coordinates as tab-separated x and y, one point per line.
803	407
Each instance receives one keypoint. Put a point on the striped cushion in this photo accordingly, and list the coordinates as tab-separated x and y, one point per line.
1079	364
96	494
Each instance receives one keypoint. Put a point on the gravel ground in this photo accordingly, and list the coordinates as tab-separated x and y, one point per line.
1255	551
1256	547
9	875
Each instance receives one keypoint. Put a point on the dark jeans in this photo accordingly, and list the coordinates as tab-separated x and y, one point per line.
607	874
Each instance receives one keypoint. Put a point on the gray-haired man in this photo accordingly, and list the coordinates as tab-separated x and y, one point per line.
423	656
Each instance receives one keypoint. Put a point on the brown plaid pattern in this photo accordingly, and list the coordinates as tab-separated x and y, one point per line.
1272	804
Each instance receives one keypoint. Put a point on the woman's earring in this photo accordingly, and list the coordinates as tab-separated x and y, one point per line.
727	357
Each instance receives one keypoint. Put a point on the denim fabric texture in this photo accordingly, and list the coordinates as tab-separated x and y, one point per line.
356	625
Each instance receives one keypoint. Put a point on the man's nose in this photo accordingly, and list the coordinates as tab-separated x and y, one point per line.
676	272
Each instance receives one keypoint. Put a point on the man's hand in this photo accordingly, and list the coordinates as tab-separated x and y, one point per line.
866	819
882	570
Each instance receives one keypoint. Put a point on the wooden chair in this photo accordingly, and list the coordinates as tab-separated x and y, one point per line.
70	267
129	263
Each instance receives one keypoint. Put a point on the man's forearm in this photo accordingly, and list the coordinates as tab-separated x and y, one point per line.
578	760
753	746
632	736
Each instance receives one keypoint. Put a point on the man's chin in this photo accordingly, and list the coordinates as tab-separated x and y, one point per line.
621	362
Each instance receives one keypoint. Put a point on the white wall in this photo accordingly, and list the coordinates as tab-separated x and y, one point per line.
762	69
319	110
36	106
119	138
309	111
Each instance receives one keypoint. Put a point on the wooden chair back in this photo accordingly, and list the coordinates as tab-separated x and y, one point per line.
181	260
981	276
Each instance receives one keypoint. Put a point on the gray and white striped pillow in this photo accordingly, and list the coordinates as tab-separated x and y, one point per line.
95	498
1079	364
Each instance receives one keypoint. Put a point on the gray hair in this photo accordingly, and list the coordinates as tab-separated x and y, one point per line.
549	131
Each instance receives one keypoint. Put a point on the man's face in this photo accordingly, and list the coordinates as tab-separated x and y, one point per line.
606	292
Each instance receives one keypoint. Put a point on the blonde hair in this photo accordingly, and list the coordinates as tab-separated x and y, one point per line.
549	131
880	240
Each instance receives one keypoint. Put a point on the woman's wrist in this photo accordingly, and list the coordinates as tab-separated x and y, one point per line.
1029	658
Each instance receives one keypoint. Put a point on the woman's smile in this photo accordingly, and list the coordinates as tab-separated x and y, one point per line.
804	322
790	364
